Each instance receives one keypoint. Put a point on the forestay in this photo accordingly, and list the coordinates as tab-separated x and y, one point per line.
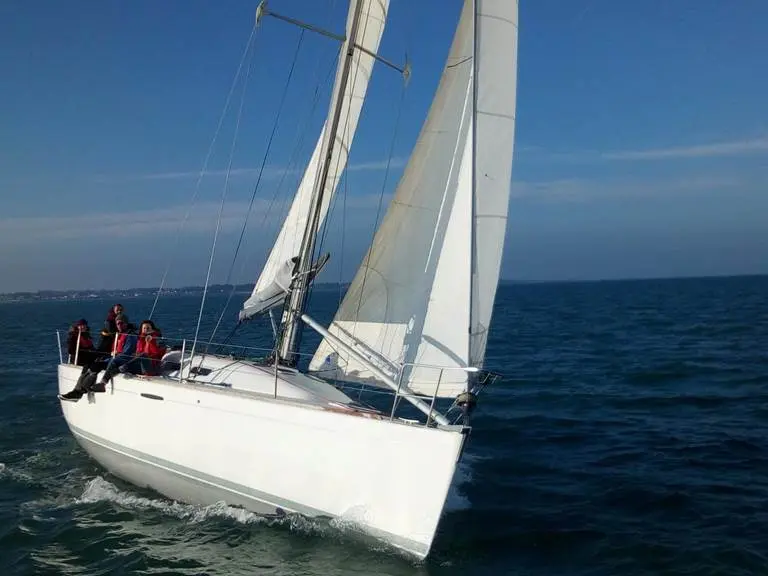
425	291
274	281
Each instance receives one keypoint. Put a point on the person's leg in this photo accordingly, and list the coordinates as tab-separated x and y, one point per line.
133	366
85	381
149	366
114	366
90	370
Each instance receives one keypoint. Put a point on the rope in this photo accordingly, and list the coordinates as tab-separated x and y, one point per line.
258	181
223	199
204	168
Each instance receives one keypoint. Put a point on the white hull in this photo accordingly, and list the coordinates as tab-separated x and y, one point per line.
202	443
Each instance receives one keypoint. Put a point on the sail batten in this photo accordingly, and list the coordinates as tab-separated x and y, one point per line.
424	293
270	289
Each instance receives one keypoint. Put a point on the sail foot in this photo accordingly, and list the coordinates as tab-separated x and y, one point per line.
436	372
397	387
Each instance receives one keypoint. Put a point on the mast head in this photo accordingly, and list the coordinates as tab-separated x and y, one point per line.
261	11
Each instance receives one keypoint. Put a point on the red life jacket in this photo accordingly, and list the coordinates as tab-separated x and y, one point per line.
120	343
72	343
149	346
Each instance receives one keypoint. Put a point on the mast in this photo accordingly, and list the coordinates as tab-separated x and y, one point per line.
466	400
473	193
473	143
291	326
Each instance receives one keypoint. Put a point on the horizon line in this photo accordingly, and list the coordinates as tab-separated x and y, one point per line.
501	281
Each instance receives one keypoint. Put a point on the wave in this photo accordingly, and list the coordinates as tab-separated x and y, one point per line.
99	490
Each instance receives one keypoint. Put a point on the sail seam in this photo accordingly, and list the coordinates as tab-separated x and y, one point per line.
495	115
499	18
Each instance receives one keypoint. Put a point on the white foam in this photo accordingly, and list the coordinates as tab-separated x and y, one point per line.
15	474
100	490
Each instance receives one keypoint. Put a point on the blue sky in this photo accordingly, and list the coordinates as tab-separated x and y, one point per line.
641	144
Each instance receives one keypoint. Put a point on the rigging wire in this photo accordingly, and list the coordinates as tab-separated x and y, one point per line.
293	159
291	167
388	166
343	238
258	180
223	199
204	168
345	143
285	209
292	162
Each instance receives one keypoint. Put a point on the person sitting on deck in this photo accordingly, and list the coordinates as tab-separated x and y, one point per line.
149	350
86	356
79	344
125	348
109	331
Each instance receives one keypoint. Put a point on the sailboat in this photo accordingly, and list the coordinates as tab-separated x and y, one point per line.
274	439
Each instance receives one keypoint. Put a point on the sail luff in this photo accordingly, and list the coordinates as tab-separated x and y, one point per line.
269	289
497	31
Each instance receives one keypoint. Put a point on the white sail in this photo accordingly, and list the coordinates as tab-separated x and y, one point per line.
271	287
495	116
415	298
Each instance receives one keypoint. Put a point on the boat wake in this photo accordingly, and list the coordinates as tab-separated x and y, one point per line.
345	529
99	490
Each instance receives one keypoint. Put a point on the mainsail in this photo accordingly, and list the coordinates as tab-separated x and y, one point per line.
274	281
424	293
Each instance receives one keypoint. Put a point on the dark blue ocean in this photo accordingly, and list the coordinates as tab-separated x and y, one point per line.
630	437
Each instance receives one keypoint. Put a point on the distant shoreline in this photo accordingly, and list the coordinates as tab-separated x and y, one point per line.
130	293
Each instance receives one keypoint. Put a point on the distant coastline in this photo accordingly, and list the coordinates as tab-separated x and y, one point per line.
123	294
129	293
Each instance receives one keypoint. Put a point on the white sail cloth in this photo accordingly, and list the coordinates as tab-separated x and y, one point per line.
288	243
424	293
